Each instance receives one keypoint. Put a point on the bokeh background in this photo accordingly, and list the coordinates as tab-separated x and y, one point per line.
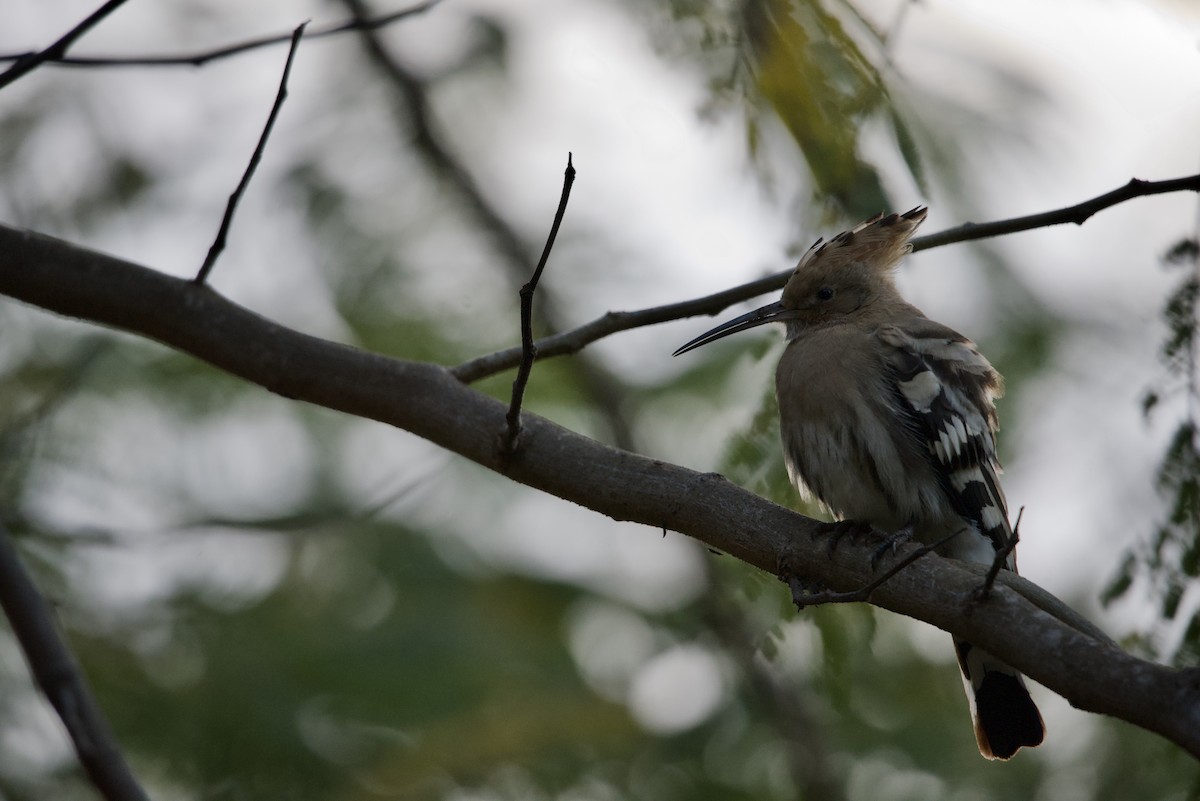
275	601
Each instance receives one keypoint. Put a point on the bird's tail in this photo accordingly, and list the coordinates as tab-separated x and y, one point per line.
1006	719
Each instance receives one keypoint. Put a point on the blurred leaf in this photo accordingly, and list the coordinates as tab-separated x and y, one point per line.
812	73
907	144
390	668
1170	560
1121	582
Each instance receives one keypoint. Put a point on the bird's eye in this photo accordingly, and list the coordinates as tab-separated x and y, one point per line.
825	293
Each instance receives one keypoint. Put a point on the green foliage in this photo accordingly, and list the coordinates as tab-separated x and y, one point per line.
805	64
754	458
820	84
380	681
1170	561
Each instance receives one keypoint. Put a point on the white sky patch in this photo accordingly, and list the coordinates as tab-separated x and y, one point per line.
609	644
230	569
678	689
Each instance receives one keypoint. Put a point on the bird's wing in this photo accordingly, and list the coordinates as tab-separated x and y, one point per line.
944	390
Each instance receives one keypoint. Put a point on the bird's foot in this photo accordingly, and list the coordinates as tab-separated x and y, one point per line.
892	542
840	529
805	591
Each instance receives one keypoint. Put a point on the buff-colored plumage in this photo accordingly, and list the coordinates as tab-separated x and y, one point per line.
887	418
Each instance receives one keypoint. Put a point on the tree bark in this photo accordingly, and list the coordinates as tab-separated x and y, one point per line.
1018	623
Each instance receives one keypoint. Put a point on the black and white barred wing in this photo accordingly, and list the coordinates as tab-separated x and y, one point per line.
945	389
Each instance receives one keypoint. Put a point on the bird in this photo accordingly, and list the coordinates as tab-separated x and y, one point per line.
888	418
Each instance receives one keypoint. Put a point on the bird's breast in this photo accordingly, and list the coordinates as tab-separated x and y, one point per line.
842	438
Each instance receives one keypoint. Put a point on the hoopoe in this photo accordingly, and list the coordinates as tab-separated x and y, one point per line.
887	418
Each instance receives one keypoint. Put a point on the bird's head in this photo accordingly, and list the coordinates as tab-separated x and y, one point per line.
834	279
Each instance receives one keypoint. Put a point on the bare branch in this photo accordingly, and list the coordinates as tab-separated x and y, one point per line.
1078	214
218	244
614	322
412	94
60	678
201	58
31	61
1088	670
529	351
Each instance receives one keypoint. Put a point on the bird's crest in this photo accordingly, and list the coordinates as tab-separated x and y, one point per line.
869	250
879	242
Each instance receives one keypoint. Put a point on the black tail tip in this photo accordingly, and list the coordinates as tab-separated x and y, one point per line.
1006	719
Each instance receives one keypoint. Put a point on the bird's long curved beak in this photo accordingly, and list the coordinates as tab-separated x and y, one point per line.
772	312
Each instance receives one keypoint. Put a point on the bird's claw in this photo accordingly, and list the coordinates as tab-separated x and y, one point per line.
802	589
892	542
840	529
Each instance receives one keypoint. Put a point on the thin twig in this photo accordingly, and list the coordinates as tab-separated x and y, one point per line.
417	114
30	61
200	58
513	432
614	322
60	678
863	593
218	244
1000	561
1078	214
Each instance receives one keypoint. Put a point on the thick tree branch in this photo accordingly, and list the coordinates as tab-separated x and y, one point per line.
61	680
200	58
614	322
429	401
804	598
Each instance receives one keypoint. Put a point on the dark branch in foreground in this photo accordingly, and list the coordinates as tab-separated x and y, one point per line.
804	599
614	322
1019	623
529	350
61	680
218	244
201	58
28	62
